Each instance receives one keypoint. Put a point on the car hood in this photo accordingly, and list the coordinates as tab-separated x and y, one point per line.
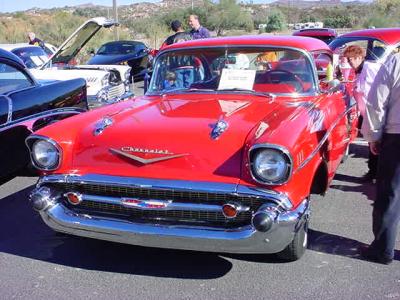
74	43
92	77
171	137
100	59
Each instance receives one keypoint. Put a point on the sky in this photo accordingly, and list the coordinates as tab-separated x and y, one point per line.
18	5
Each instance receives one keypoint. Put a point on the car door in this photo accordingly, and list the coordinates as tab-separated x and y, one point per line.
340	109
13	152
13	79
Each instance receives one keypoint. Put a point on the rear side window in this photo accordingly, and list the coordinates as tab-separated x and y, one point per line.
12	79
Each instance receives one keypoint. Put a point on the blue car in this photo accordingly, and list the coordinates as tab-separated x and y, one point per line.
132	53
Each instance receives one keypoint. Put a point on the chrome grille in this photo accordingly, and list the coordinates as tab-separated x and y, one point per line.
186	196
116	91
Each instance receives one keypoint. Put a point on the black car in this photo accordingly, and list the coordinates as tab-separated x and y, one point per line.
27	105
132	53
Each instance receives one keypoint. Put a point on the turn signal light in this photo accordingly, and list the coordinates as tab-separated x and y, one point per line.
229	210
74	198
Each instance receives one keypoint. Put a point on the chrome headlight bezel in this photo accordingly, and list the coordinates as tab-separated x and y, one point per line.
286	163
35	141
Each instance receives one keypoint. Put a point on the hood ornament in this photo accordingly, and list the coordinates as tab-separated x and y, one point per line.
101	125
167	155
218	129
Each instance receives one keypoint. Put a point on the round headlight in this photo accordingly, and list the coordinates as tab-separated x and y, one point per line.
270	166
45	155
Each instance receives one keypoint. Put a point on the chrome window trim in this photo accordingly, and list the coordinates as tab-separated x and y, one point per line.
305	52
270	146
9	113
34	137
280	199
48	113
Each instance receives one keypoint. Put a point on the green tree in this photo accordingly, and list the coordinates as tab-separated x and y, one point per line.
227	14
276	21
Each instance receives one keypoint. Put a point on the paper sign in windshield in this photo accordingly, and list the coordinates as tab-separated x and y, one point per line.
237	79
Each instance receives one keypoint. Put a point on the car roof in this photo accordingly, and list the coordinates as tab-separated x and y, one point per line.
306	43
123	42
11	47
316	32
388	35
11	56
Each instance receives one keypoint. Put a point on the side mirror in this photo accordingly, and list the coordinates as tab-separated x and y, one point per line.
331	86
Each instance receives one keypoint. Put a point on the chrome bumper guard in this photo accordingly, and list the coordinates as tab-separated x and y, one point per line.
245	239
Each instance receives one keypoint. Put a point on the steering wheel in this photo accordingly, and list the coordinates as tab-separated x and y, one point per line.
283	76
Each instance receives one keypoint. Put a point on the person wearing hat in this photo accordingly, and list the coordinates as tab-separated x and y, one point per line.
179	35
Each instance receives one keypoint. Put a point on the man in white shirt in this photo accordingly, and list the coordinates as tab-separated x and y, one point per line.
381	128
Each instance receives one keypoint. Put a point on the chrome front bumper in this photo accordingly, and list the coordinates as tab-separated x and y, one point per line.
245	239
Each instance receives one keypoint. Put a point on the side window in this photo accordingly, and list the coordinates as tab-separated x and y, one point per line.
322	60
377	50
12	79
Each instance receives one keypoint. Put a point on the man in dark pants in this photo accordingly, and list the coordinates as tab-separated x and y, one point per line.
381	128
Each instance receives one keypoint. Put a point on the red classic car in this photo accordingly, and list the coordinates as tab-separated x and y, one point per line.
378	43
324	34
221	153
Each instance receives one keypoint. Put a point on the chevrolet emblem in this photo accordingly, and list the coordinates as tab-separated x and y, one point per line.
145	161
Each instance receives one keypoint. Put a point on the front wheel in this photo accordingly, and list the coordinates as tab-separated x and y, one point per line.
298	246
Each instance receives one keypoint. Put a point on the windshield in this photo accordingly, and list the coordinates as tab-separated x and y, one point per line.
120	48
269	70
32	57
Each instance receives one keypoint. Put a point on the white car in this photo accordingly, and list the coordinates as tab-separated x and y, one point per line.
105	83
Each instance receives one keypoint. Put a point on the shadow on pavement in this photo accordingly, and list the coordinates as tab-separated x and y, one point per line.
365	188
23	233
337	245
358	151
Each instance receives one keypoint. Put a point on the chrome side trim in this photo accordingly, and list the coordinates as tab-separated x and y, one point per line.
34	137
48	113
323	140
239	240
280	199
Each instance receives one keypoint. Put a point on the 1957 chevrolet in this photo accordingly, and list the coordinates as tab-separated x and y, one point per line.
221	153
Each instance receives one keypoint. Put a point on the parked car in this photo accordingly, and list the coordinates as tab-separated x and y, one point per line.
105	83
132	53
216	156
324	34
378	43
32	56
27	105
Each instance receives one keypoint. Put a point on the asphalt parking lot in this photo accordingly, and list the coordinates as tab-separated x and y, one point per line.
36	263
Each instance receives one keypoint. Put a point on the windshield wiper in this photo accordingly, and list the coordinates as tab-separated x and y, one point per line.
262	94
